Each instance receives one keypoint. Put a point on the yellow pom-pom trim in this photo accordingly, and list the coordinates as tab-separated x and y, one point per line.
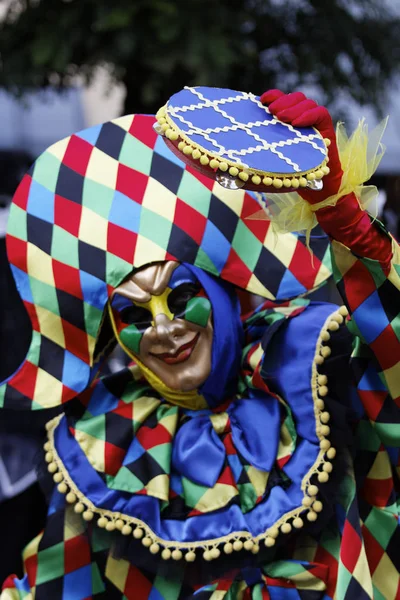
71	498
126	530
188	150
138	533
325	445
147	542
190	556
326	351
102	522
269	542
154	549
88	515
307	501
298	523
331	453
286	528
228	548
317	506
325	416
323	477
248	545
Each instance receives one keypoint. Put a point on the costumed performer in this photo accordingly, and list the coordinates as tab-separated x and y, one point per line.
239	456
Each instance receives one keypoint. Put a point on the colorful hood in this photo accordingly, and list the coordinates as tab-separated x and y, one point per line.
111	199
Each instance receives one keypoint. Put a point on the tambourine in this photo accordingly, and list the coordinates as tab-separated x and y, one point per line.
232	137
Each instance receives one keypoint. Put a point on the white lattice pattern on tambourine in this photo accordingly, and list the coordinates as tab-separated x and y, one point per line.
188	128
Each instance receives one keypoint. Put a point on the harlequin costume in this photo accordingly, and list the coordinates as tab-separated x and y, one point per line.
276	477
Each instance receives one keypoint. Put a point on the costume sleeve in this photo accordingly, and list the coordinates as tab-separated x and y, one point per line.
370	289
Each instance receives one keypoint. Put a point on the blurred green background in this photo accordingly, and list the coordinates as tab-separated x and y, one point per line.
155	47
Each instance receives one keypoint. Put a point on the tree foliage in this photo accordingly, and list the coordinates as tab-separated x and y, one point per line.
155	47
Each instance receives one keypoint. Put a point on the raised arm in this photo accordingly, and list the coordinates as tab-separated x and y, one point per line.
365	258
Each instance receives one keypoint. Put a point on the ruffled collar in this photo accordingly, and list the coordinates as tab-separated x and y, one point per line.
184	479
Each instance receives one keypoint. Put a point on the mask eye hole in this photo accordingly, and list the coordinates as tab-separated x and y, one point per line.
180	296
136	315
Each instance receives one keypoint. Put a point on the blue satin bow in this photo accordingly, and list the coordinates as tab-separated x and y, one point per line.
199	453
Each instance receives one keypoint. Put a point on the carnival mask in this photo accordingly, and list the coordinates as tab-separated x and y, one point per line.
163	319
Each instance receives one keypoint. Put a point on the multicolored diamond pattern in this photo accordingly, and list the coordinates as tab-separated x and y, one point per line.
109	199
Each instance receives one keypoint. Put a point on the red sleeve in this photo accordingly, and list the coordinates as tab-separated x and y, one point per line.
349	224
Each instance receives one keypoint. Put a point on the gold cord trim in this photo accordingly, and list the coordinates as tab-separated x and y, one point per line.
240	539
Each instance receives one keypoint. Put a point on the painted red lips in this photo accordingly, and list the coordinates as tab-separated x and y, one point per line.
180	355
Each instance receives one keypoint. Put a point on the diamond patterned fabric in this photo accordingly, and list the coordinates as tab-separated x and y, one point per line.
110	199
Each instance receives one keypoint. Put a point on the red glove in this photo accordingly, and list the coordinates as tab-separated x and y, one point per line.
302	112
345	222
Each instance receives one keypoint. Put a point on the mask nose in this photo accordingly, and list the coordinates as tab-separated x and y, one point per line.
162	327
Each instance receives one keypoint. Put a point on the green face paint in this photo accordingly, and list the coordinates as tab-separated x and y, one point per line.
198	311
131	337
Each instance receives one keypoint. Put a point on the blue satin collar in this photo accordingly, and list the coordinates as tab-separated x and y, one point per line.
197	451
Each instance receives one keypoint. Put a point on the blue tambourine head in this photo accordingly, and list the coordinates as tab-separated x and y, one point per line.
233	138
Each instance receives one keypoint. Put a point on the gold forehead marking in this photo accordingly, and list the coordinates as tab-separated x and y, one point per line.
149	281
